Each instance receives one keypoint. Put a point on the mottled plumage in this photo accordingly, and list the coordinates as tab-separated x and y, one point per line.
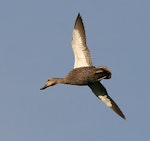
84	73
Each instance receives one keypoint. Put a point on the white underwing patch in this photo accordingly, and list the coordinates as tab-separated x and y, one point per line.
106	100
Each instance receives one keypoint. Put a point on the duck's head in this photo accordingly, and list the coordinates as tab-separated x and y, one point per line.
50	82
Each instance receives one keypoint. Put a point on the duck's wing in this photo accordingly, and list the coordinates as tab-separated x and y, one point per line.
100	91
80	49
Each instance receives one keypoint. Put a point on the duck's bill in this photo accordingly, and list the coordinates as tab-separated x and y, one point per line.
43	87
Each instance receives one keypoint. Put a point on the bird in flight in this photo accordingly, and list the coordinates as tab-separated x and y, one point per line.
84	73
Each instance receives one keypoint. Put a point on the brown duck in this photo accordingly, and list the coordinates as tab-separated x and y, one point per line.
84	73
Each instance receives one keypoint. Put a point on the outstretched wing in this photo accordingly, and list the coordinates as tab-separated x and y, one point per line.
100	91
80	49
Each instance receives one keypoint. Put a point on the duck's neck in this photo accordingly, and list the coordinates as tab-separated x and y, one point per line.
59	80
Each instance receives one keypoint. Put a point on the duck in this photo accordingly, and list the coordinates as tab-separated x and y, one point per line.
84	73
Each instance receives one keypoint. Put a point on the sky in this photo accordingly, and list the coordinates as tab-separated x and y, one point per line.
35	44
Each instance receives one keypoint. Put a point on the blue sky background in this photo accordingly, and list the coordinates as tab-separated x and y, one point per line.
35	44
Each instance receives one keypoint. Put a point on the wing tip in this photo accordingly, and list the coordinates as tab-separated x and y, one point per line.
79	14
79	18
121	115
117	110
111	104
